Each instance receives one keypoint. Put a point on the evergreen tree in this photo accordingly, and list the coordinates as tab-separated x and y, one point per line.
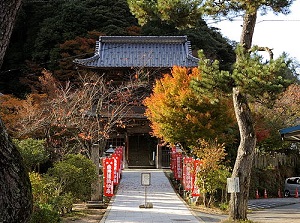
42	26
183	17
250	77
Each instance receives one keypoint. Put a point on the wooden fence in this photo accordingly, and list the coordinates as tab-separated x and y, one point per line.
274	160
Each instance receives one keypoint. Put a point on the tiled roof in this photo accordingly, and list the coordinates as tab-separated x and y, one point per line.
141	51
291	133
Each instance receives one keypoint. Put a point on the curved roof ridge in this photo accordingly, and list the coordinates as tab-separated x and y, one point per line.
141	51
143	39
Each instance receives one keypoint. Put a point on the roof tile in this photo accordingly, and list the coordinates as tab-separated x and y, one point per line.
141	51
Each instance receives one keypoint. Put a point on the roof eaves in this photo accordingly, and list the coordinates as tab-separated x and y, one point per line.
290	129
143	39
291	133
88	61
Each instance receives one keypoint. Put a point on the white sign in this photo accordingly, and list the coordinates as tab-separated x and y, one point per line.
145	179
233	185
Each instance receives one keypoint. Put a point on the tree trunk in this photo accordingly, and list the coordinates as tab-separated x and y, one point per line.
248	30
8	14
15	188
243	164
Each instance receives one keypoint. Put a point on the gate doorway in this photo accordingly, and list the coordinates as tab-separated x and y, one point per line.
165	157
141	151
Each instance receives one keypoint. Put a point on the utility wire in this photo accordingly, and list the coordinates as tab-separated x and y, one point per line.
264	20
278	20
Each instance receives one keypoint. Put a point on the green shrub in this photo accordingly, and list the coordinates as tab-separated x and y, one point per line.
224	206
53	193
47	196
75	174
44	188
44	213
63	204
33	152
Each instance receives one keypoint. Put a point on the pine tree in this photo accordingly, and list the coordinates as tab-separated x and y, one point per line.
249	79
15	188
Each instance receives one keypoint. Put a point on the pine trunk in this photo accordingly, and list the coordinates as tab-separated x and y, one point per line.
243	164
15	187
8	14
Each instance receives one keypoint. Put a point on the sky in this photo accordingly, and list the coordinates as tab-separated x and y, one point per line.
278	32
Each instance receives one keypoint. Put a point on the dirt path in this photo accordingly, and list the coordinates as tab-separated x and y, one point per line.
82	214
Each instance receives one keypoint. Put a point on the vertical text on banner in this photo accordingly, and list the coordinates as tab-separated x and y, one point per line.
173	159
116	158
108	177
188	173
197	166
178	168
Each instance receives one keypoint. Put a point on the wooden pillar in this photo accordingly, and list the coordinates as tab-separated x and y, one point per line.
96	188
126	152
158	157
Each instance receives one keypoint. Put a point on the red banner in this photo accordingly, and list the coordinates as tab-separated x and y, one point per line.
173	159
188	173
116	158
178	167
108	177
197	166
119	151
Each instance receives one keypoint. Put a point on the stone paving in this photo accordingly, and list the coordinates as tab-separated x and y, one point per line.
167	205
260	204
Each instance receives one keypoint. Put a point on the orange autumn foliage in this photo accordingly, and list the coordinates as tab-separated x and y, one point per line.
178	114
13	110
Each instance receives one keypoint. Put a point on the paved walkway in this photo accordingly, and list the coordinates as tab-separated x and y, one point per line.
167	205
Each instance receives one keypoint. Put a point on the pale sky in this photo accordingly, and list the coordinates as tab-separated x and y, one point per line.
280	33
